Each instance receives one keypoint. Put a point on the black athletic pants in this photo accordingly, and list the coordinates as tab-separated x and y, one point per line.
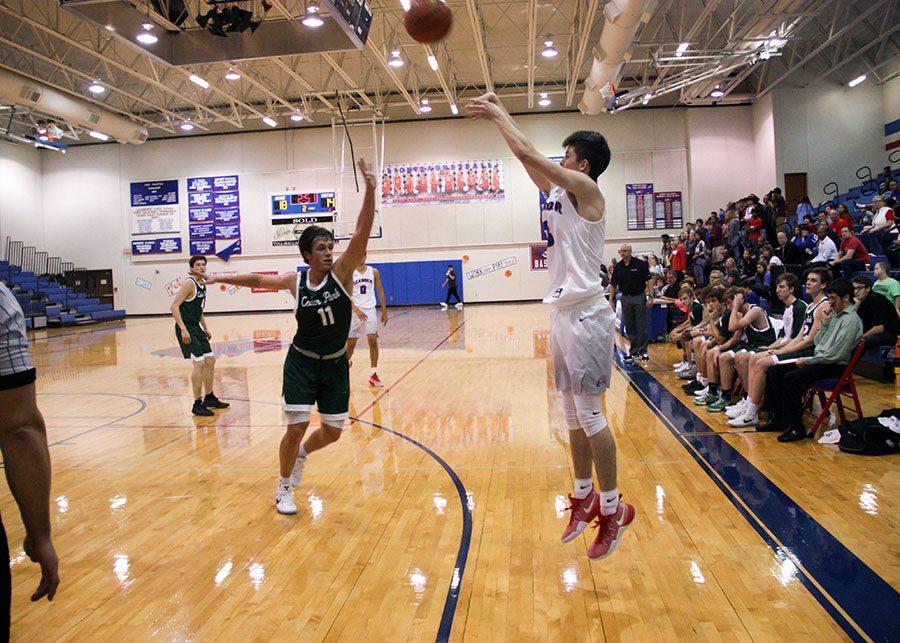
787	383
452	292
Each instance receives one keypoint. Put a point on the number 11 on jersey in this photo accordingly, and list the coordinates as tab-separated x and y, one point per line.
327	316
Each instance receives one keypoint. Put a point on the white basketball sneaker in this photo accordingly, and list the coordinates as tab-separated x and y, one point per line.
297	473
443	306
284	500
459	305
736	410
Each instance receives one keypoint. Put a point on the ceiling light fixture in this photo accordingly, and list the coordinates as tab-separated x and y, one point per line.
396	60
545	100
187	126
146	38
96	88
549	50
432	62
718	92
683	47
765	54
296	117
194	78
856	81
232	74
405	4
99	136
454	109
312	18
271	122
424	108
647	98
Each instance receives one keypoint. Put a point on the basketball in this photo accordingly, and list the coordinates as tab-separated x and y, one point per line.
428	21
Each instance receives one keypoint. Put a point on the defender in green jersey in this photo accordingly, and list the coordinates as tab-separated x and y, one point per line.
316	371
193	337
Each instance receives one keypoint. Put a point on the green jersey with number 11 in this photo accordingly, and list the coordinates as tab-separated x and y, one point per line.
323	315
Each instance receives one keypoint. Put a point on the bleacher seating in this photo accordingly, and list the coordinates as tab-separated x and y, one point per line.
46	303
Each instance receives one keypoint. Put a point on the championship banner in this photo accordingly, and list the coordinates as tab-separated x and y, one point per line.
215	201
444	182
668	210
154	207
293	212
170	245
639	206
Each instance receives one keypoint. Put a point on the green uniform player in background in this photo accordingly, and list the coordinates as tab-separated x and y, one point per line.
193	337
316	370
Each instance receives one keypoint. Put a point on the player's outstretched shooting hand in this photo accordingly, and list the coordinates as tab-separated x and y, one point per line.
367	173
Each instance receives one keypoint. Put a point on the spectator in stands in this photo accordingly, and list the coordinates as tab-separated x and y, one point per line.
826	251
754	226
733	233
893	253
839	333
665	252
809	223
876	236
853	256
759	282
879	315
786	251
698	258
731	275
806	243
679	257
716	231
845	216
886	285
654	266
886	178
780	206
805	209
893	192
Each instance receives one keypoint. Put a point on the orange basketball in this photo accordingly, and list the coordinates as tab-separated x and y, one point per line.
428	21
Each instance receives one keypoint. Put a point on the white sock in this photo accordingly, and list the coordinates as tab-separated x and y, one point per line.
303	452
583	487
284	482
609	502
750	409
374	370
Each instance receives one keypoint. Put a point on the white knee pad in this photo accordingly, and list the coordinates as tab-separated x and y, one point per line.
589	413
334	420
569	411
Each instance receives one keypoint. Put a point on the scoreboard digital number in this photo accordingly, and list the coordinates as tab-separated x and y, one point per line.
292	213
300	204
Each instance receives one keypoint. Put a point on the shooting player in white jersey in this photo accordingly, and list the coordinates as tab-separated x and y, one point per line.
366	281
582	327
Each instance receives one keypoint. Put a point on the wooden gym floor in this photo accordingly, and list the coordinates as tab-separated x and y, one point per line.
439	511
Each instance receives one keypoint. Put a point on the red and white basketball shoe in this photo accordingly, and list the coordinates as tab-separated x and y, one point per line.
583	512
611	530
375	381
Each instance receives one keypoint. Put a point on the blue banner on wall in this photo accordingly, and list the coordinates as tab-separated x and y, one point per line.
203	247
147	193
206	230
216	199
169	245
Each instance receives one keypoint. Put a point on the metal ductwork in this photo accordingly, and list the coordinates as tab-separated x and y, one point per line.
19	90
623	19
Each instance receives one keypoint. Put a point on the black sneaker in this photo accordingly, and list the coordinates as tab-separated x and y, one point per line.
212	402
692	387
199	409
645	357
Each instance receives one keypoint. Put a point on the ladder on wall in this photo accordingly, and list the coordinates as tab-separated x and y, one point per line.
368	143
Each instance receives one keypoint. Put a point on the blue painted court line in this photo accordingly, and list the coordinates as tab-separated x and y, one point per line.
859	600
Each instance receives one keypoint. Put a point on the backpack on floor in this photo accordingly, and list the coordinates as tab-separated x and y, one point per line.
867	436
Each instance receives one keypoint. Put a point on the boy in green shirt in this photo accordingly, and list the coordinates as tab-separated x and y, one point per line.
887	285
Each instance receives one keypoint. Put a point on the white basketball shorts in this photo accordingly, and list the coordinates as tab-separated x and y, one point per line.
582	343
368	327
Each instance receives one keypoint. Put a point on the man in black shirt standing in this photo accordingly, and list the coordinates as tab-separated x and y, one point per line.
632	276
878	314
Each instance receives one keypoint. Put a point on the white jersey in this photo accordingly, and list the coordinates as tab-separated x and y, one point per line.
574	252
364	288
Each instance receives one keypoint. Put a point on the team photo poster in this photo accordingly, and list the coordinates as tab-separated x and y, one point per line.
442	182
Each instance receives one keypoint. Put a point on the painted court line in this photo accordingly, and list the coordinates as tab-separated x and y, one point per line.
859	600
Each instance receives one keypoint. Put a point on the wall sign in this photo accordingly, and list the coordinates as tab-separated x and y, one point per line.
539	256
292	213
668	210
166	246
639	206
215	201
441	183
494	267
154	207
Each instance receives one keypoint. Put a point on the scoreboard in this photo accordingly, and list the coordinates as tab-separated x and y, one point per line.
292	212
354	17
